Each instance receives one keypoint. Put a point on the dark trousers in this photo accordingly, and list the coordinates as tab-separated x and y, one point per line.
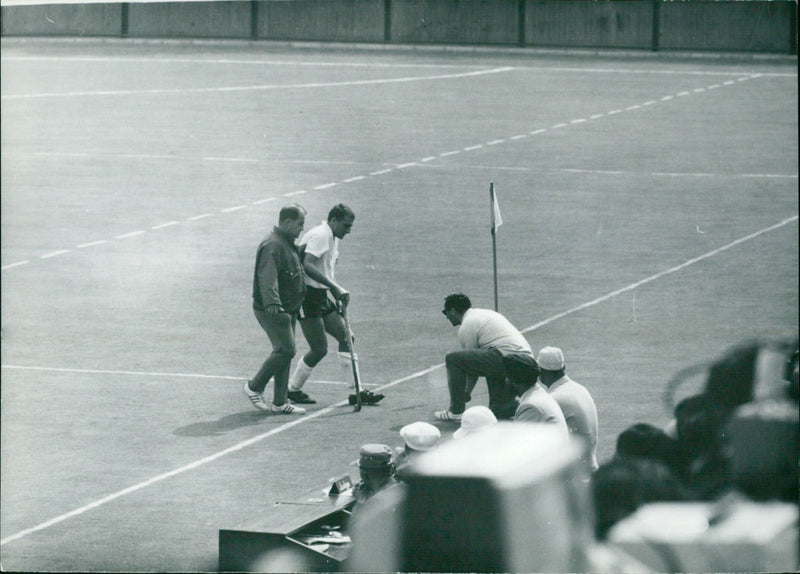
280	329
473	363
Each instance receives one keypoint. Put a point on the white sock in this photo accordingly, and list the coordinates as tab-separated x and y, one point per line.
300	376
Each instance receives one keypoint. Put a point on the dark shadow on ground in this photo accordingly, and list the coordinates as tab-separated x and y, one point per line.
224	424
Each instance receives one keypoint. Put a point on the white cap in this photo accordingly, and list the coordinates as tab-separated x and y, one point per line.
475	419
551	359
420	436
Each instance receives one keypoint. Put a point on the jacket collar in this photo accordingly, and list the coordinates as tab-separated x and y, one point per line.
285	236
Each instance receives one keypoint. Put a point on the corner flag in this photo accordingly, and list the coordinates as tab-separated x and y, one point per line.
497	219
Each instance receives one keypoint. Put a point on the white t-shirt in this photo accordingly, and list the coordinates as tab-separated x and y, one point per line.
321	243
487	329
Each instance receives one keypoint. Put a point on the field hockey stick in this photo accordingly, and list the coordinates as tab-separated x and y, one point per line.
353	362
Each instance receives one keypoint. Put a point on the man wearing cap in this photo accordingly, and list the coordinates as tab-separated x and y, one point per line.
475	419
377	471
418	437
574	399
535	403
376	524
485	336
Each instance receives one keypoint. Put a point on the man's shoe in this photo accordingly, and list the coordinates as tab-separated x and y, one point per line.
367	398
287	409
447	416
301	398
256	399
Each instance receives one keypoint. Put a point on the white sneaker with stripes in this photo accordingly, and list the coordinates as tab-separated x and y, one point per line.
287	409
256	399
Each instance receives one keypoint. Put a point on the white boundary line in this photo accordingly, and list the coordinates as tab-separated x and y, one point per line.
150	374
363	64
261	87
476	147
659	275
326	410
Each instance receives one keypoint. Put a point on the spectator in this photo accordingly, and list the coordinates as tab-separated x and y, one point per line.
475	419
646	441
619	487
418	437
574	399
377	471
484	335
749	384
536	405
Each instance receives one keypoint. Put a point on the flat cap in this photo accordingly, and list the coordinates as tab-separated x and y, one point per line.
420	436
374	456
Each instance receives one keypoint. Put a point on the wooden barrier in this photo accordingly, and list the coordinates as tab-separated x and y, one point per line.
757	26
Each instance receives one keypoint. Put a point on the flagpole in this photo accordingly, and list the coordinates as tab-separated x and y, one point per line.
492	204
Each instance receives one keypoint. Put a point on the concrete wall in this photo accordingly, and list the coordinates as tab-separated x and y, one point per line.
62	20
747	26
189	20
737	26
322	20
455	21
621	24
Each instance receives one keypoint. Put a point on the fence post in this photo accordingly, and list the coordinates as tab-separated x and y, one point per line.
656	24
254	19
387	21
124	19
521	22
792	27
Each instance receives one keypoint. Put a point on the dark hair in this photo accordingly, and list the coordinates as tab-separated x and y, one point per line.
619	487
340	211
646	441
292	211
457	301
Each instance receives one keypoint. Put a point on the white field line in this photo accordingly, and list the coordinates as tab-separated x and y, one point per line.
657	276
262	87
326	410
498	141
150	374
361	64
110	372
680	174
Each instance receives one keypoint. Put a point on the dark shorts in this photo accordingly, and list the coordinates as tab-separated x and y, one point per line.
316	303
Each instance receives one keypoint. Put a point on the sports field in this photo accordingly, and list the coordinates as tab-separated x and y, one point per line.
649	210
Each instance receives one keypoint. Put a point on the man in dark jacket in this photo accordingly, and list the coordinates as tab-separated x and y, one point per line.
278	291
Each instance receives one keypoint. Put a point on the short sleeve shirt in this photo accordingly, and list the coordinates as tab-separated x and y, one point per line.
487	329
320	242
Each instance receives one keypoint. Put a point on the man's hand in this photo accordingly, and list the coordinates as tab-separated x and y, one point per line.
340	294
275	310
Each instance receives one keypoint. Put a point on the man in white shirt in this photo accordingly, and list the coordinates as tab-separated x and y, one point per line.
537	406
574	399
485	335
318	315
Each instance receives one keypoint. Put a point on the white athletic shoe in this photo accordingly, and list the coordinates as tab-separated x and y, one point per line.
287	409
256	399
446	416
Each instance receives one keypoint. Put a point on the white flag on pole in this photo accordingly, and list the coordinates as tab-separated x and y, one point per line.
497	219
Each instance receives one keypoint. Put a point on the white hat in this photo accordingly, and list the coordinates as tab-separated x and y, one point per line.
420	436
551	359
474	419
